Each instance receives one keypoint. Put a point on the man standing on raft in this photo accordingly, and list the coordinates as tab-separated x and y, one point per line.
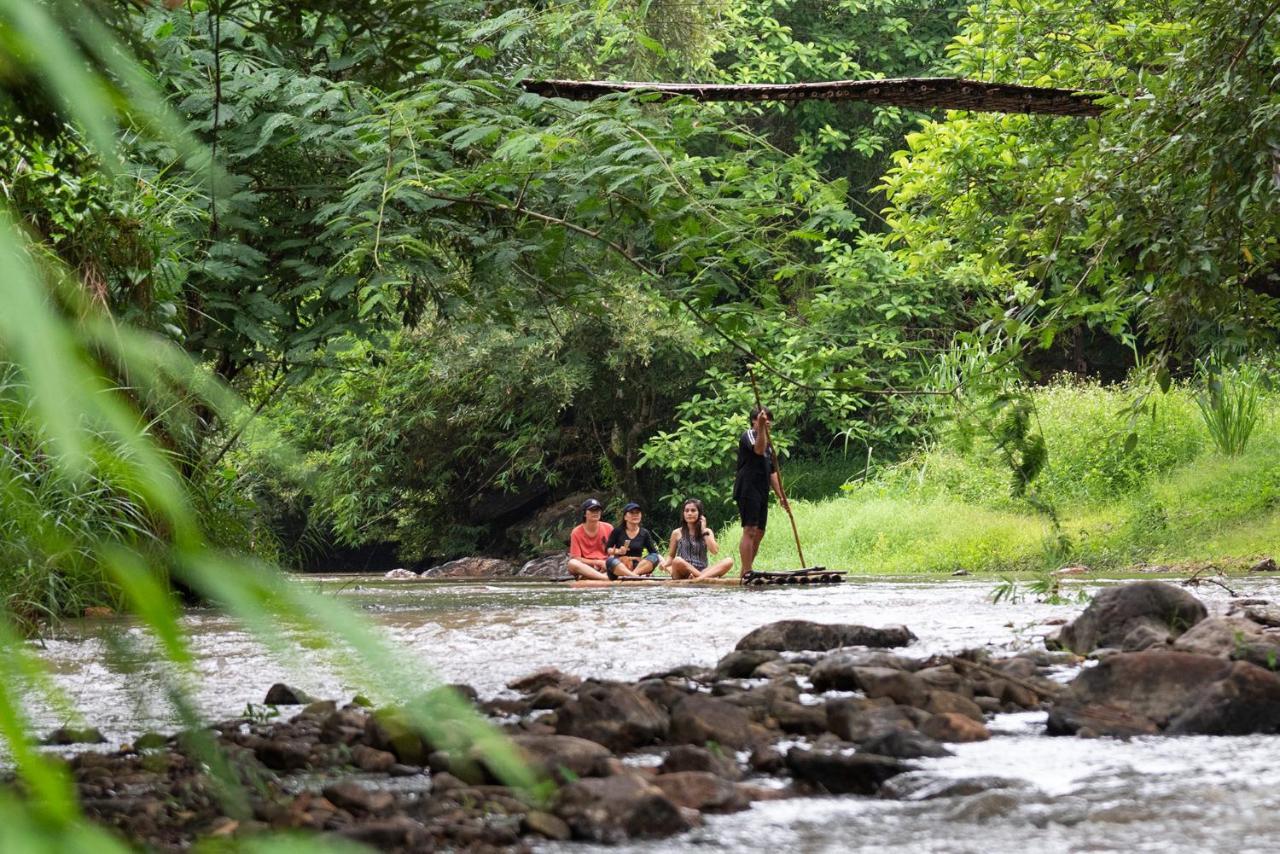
756	474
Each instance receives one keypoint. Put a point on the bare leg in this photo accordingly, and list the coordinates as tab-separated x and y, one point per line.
749	545
681	568
717	569
644	567
586	570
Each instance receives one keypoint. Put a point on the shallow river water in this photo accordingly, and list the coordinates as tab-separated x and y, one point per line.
1147	794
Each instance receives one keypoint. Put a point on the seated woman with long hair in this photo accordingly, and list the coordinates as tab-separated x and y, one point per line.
692	544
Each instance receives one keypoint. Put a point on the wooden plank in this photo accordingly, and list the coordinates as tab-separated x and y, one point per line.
951	93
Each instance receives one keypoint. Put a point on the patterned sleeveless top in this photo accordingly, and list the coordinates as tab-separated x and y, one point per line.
694	551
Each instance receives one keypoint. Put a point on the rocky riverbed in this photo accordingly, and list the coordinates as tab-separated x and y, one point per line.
797	713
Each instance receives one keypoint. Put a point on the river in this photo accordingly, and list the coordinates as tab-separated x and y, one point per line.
1066	794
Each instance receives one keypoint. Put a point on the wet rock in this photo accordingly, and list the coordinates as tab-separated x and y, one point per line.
400	574
688	757
472	567
75	735
906	689
663	692
1117	611
798	719
547	825
767	759
612	809
1173	692
281	694
858	719
945	702
352	796
701	791
699	719
843	772
740	664
954	728
612	714
924	786
371	759
398	833
1267	564
777	670
1263	614
550	697
1145	636
804	635
549	566
544	677
563	757
1220	636
945	678
904	744
835	672
284	755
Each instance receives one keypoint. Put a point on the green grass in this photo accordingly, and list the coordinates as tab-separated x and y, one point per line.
1173	498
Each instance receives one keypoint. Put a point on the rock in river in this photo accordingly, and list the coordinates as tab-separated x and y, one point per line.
1148	608
1170	692
611	809
797	635
613	714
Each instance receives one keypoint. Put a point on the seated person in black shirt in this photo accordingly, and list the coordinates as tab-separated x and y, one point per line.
632	549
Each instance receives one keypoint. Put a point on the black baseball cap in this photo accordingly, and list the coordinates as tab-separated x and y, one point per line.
629	506
591	504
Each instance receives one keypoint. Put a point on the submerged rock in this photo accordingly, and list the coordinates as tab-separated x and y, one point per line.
75	735
1150	610
798	635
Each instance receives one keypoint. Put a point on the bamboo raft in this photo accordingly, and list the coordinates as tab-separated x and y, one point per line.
812	575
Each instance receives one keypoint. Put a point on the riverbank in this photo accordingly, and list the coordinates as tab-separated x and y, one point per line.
784	737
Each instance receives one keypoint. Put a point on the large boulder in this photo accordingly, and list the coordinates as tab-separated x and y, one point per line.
472	567
1144	609
613	714
1170	692
699	719
798	635
547	566
612	809
843	772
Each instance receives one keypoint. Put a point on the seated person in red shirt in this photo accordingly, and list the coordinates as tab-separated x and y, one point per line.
632	549
587	549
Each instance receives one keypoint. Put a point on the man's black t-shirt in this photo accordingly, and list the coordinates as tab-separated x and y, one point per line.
640	545
753	469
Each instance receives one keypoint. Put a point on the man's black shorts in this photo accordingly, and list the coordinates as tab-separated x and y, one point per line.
753	509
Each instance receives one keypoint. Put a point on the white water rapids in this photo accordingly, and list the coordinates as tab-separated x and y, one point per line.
1146	794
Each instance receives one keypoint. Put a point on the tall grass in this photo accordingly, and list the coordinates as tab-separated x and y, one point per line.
1230	408
1172	497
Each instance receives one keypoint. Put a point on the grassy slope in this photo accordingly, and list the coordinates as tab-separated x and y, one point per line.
1172	499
